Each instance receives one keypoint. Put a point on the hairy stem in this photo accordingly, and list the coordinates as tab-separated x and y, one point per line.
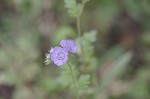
74	81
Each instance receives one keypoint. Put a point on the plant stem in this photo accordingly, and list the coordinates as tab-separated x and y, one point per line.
74	81
79	31
78	26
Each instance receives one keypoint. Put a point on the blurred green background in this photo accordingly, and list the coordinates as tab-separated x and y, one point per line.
29	28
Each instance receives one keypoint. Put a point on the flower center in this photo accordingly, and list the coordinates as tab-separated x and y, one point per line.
60	56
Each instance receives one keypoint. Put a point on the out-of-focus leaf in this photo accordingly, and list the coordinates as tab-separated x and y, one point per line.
51	85
84	1
28	7
143	75
63	33
72	7
90	36
4	58
116	68
147	56
88	57
106	14
145	37
24	92
140	86
132	7
87	41
9	77
111	54
83	83
65	78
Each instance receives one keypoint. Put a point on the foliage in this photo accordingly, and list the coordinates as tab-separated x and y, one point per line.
116	69
88	57
73	7
84	82
114	63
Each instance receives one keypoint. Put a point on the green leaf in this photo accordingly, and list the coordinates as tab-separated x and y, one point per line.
73	7
63	33
65	76
90	36
87	40
83	83
88	58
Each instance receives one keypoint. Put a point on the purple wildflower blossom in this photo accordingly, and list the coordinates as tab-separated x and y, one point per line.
59	56
69	45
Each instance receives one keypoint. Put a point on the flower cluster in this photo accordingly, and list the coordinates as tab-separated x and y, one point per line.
59	55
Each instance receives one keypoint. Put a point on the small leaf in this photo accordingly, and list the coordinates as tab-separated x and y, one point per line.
87	40
90	36
65	78
63	33
83	83
73	7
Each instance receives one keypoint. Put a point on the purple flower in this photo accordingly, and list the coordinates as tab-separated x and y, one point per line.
69	45
59	56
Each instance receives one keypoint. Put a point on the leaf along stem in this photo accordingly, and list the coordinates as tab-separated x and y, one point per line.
79	34
78	22
74	81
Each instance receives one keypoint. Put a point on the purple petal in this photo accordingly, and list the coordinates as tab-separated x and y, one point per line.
57	49
64	51
58	62
59	56
74	49
65	59
63	43
69	45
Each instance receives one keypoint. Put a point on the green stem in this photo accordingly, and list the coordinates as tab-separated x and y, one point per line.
78	26
74	81
79	33
79	30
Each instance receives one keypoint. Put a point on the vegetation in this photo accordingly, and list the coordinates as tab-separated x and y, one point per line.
113	59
